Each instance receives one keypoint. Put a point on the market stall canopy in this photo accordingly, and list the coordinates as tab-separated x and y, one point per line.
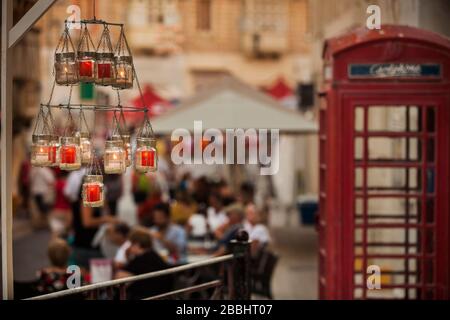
232	104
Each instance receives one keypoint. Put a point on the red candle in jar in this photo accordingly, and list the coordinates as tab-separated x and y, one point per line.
148	158
85	68
92	192
52	154
68	154
104	70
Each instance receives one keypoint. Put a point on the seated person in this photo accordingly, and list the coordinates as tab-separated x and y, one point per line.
118	235
197	226
235	214
143	259
54	278
215	214
168	236
182	208
257	231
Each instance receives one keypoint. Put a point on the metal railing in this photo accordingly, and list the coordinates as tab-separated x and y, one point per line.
236	278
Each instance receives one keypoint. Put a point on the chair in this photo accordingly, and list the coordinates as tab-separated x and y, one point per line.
263	268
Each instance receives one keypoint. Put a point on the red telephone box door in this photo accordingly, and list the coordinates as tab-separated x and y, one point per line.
398	195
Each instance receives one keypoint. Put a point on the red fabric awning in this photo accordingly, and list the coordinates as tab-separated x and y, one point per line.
156	104
279	89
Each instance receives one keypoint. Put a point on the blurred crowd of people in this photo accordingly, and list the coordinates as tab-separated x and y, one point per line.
170	217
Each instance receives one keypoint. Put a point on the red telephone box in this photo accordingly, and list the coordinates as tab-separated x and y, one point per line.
384	165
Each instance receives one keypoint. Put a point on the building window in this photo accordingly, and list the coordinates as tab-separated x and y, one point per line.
204	15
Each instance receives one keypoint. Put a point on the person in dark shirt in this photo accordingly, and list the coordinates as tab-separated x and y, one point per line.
143	259
235	213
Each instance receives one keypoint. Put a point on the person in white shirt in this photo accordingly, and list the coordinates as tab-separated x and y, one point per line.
257	231
215	214
42	187
118	235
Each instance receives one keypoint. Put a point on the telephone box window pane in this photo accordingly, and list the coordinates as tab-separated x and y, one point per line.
383	148
431	119
393	210
392	235
358	293
358	279
413	113
393	118
430	150
358	178
359	148
359	119
429	241
392	179
359	203
358	235
430	210
430	180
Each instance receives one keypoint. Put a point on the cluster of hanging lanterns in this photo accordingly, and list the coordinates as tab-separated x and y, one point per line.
73	149
89	64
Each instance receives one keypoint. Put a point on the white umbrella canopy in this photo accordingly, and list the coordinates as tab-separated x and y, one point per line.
232	104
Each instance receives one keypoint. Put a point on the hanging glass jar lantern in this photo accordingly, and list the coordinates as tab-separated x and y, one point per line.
69	150
114	157
124	64
84	139
40	144
145	158
125	141
86	57
104	63
53	152
126	138
69	154
85	147
66	72
93	190
40	150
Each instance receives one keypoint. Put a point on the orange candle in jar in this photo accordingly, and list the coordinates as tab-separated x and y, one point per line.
92	192
68	154
148	158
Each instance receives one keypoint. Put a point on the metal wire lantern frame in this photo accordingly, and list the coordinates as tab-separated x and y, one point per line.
119	120
105	58
64	53
86	54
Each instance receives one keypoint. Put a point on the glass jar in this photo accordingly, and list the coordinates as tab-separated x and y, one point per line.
114	157
93	191
69	154
86	66
145	159
66	72
85	147
54	151
40	148
124	72
104	69
126	139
